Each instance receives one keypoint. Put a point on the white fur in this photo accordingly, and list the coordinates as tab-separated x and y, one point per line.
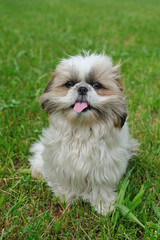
79	160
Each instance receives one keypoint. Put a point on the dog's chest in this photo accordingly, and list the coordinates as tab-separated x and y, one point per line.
83	155
76	150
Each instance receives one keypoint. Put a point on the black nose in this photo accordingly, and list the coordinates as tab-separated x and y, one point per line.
82	90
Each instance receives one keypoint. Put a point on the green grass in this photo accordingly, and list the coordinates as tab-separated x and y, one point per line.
34	35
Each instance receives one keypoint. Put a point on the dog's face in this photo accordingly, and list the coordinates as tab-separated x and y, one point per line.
86	90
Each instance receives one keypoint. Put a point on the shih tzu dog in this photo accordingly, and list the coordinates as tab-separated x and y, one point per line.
86	148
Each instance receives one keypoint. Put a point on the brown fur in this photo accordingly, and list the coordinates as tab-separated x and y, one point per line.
105	92
50	84
119	121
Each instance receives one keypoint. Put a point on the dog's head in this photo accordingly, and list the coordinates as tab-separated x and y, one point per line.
86	89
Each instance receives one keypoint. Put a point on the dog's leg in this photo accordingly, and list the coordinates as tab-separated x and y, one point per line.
102	199
36	160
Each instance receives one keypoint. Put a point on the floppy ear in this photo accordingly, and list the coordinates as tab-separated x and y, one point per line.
44	99
123	119
49	85
117	77
120	117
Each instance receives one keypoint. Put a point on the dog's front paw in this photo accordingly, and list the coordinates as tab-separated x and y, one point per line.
104	208
36	174
107	209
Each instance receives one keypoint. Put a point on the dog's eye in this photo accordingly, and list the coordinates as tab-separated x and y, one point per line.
69	84
96	85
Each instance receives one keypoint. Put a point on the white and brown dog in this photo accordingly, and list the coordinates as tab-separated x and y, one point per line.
86	148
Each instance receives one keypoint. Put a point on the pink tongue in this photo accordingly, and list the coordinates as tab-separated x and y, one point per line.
78	107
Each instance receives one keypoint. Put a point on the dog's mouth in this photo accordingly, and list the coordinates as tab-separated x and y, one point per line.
81	107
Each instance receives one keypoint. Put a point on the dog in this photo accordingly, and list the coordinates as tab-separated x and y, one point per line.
86	148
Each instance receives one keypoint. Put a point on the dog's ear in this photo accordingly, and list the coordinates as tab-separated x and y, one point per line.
117	77
44	99
120	119
49	85
123	119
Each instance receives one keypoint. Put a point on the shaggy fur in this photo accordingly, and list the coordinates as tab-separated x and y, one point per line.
84	153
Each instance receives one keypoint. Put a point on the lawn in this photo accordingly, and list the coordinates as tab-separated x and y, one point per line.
34	36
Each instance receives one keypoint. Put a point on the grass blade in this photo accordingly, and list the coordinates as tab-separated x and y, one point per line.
156	210
14	207
1	199
126	213
153	225
24	171
138	197
123	189
120	197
